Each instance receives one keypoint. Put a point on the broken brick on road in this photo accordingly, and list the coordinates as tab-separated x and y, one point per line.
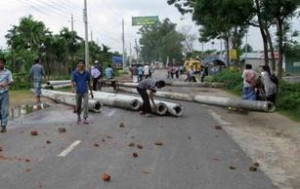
105	177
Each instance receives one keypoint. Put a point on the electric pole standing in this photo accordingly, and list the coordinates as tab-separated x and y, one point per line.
123	46
85	20
72	23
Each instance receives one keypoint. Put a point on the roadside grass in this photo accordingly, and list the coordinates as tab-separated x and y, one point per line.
21	97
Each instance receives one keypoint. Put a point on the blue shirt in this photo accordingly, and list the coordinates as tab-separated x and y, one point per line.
140	70
5	78
109	73
81	80
37	72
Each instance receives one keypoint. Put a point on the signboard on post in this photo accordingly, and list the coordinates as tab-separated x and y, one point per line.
144	20
233	54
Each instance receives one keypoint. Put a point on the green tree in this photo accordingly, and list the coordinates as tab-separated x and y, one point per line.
281	11
222	19
29	36
160	41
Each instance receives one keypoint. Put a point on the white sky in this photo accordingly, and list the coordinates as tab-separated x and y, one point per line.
105	19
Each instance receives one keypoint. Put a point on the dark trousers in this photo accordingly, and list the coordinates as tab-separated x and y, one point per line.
95	83
146	102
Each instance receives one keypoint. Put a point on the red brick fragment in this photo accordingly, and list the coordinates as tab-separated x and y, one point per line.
135	155
96	145
158	143
139	146
34	133
105	177
218	127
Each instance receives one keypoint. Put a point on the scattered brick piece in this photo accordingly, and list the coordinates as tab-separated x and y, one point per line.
48	142
96	145
253	168
139	146
256	164
105	177
135	155
1	149
34	133
27	160
218	127
131	144
146	172
122	125
232	168
62	130
158	143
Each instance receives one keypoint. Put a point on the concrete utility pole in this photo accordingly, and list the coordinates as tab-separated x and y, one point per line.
85	20
123	46
246	49
137	51
72	23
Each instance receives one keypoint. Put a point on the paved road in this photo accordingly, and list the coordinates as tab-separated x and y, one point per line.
194	154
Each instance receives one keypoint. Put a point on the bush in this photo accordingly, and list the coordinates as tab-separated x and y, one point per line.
231	79
289	97
21	81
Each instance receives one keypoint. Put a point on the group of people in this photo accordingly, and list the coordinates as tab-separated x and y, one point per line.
139	72
174	70
97	75
263	86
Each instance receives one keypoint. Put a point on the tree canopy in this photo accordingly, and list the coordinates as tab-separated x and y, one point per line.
160	41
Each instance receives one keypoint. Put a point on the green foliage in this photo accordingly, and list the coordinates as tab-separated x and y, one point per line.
289	97
21	81
160	41
31	39
231	79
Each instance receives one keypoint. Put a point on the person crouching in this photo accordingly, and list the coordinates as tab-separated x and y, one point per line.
151	85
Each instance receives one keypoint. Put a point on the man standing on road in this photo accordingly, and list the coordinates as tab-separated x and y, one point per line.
80	84
146	71
96	74
143	86
37	73
5	81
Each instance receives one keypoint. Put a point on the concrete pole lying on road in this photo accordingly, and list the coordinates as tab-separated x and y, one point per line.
180	84
212	100
70	99
117	100
126	102
57	86
59	82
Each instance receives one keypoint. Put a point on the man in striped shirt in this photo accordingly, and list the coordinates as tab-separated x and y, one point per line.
5	81
151	85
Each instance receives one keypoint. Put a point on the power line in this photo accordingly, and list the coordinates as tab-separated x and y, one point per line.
49	7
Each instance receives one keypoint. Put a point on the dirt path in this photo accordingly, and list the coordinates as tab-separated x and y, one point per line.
270	139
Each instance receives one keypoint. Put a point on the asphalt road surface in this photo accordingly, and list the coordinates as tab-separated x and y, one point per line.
172	153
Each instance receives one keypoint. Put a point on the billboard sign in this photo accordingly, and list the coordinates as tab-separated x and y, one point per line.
144	20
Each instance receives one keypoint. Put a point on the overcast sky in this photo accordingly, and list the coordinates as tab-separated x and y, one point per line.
105	19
